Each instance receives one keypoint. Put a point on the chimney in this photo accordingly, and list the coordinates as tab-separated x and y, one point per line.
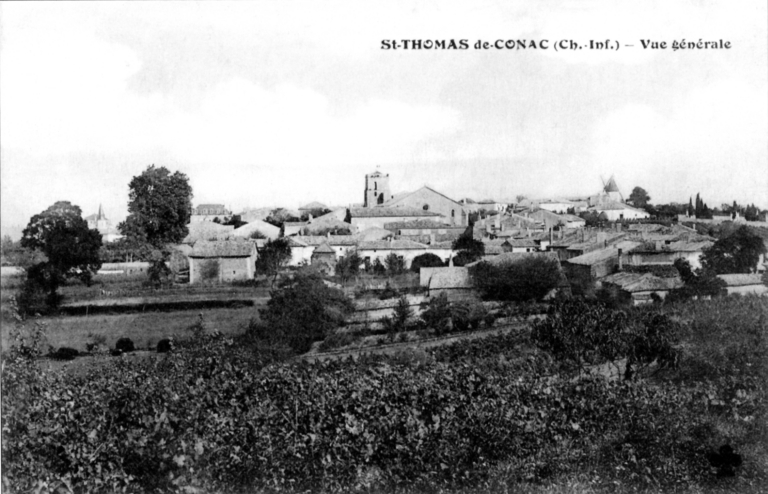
450	262
431	239
551	234
309	217
618	227
328	235
620	261
497	222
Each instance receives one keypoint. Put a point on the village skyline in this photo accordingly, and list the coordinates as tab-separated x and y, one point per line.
283	105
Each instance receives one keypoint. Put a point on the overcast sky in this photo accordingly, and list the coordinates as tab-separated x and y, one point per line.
283	103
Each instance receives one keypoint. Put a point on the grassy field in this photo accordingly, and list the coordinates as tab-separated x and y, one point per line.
144	329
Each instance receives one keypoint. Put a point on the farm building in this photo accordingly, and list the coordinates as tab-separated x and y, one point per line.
324	257
454	282
222	260
743	283
638	288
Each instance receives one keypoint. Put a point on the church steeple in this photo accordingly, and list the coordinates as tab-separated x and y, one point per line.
101	214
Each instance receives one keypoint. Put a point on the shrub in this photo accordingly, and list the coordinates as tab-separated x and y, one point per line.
337	340
124	345
529	278
436	313
64	353
388	292
490	319
395	264
428	260
164	346
302	311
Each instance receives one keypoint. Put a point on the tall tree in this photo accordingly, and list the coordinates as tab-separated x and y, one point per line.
71	248
469	249
738	252
272	257
159	207
639	197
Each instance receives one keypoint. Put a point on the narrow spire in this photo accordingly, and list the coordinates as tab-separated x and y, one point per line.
101	213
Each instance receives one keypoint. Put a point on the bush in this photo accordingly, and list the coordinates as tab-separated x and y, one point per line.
164	346
529	278
64	353
436	314
395	264
388	292
428	260
337	340
124	345
490	319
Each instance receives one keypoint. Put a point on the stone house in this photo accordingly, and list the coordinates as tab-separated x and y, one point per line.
209	212
591	266
617	211
638	288
743	283
454	282
221	261
324	258
659	252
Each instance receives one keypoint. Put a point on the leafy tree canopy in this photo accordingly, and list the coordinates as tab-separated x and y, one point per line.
63	236
272	257
639	197
527	279
427	260
738	252
304	310
159	207
469	249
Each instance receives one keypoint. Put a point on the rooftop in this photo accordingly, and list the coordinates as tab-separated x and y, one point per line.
389	212
222	248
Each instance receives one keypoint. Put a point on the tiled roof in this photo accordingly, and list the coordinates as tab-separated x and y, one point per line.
521	242
314	205
257	225
741	279
597	256
373	233
317	240
205	230
399	244
511	257
419	225
637	282
222	248
389	212
683	246
324	248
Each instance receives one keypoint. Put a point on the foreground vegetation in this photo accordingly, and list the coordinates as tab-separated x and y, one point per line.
497	414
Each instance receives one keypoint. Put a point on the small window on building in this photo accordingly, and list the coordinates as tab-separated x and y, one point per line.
425	207
453	213
375	186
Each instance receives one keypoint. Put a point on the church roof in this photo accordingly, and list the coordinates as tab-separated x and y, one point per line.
385	212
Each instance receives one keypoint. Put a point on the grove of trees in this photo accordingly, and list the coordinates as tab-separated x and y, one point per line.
530	278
